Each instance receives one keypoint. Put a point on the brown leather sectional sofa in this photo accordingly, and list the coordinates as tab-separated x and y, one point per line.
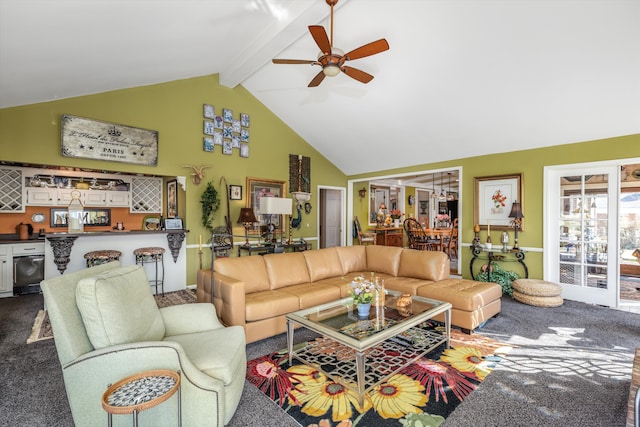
258	291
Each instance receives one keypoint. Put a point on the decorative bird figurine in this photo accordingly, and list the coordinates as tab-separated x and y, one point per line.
296	222
198	172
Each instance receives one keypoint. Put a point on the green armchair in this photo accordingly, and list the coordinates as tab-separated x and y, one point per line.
107	326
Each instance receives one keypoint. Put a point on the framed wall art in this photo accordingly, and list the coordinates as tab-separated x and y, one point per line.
208	127
92	217
207	144
94	139
235	192
244	120
244	150
173	224
258	188
208	111
492	200
172	198
227	148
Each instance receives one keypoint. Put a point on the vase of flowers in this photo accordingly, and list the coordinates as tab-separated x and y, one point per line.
443	220
362	290
396	215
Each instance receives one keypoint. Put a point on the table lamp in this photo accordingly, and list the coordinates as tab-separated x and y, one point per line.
275	206
516	214
247	218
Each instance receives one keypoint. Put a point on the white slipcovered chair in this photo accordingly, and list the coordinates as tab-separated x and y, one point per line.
107	326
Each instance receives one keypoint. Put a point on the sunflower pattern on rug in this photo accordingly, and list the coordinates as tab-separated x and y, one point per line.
422	394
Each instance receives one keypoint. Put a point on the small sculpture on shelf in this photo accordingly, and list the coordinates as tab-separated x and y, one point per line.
505	241
476	238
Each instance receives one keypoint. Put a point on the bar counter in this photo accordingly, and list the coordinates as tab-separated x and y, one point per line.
64	252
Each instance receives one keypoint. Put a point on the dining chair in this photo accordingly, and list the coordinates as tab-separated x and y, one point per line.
452	243
367	238
418	239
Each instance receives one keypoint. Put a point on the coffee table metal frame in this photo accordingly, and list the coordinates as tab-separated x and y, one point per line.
318	320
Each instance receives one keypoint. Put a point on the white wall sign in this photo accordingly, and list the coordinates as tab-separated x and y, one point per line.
93	139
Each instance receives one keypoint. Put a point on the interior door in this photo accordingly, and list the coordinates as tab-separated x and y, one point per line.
331	218
581	235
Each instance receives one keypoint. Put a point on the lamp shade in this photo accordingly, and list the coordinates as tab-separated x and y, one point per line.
516	210
275	206
246	215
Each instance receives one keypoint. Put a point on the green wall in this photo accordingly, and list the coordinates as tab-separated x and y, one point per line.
530	163
31	134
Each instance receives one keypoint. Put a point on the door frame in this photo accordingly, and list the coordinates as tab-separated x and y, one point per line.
343	212
550	241
351	191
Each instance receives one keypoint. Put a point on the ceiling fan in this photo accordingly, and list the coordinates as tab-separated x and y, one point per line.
332	59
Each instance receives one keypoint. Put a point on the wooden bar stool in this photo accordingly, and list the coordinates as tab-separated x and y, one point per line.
101	257
153	255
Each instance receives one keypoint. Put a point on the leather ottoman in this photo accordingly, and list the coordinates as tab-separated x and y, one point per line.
473	303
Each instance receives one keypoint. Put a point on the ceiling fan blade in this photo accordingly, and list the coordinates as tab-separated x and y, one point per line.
359	75
317	79
367	50
320	36
293	61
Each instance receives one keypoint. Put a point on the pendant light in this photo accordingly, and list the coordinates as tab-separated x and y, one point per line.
433	190
449	194
441	197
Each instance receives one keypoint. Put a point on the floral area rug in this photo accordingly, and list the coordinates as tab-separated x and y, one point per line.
422	394
41	329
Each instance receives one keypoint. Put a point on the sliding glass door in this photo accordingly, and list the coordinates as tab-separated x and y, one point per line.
581	238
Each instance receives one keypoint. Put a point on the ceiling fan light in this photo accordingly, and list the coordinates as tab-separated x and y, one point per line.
331	70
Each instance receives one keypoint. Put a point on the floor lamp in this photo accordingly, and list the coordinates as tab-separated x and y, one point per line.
276	206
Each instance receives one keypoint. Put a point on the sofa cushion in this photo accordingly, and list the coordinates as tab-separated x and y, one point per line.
383	259
117	307
323	263
353	258
250	270
267	304
311	294
406	285
286	269
428	265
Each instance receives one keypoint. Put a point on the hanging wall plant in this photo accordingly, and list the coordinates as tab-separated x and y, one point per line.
210	205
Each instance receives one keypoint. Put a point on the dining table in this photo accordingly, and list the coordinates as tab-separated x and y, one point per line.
438	234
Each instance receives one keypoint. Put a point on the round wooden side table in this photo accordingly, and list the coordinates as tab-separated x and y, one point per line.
142	391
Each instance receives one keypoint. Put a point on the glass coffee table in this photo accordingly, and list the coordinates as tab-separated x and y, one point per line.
388	330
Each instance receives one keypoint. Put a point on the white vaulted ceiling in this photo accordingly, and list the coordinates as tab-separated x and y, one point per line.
461	78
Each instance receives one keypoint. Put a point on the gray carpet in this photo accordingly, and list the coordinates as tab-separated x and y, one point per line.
570	366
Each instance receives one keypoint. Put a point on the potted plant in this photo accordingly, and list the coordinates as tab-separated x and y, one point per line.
499	276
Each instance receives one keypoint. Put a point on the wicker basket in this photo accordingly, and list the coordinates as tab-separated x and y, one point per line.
537	288
555	301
